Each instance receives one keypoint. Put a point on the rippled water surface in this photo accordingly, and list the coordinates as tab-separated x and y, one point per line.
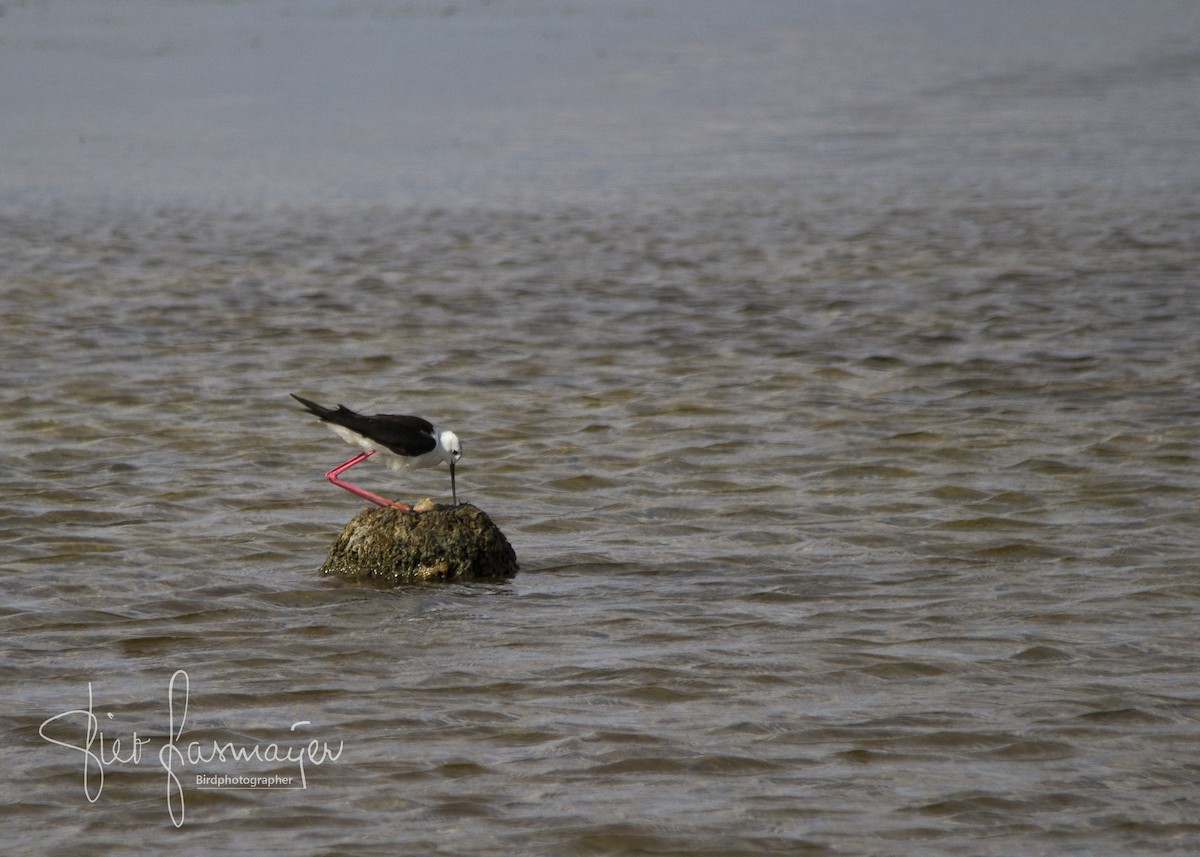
841	406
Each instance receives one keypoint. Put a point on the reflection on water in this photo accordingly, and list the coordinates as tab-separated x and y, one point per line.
790	525
852	516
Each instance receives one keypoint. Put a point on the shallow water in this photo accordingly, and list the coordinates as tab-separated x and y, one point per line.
846	438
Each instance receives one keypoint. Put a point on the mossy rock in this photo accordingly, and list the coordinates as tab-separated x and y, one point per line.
443	544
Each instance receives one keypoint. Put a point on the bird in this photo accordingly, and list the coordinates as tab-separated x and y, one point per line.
403	442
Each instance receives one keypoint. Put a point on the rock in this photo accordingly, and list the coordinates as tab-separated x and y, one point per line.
443	543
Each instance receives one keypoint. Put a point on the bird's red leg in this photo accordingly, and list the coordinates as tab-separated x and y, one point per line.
333	475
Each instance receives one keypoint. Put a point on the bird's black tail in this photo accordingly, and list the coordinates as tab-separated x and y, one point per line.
313	407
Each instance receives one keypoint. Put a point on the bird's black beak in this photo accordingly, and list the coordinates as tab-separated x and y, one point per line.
453	492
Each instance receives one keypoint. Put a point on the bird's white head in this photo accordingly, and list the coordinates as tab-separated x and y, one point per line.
451	448
452	451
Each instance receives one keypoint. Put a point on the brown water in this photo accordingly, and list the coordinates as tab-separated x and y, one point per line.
851	464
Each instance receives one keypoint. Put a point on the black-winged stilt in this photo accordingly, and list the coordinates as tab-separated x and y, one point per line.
404	443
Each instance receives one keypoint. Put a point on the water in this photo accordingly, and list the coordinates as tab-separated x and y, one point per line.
831	366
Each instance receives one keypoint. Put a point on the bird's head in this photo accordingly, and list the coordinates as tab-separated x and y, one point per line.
452	450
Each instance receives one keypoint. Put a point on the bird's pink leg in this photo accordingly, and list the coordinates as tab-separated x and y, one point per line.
333	475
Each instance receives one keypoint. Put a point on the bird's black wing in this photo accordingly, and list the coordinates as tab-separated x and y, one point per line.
313	408
401	434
